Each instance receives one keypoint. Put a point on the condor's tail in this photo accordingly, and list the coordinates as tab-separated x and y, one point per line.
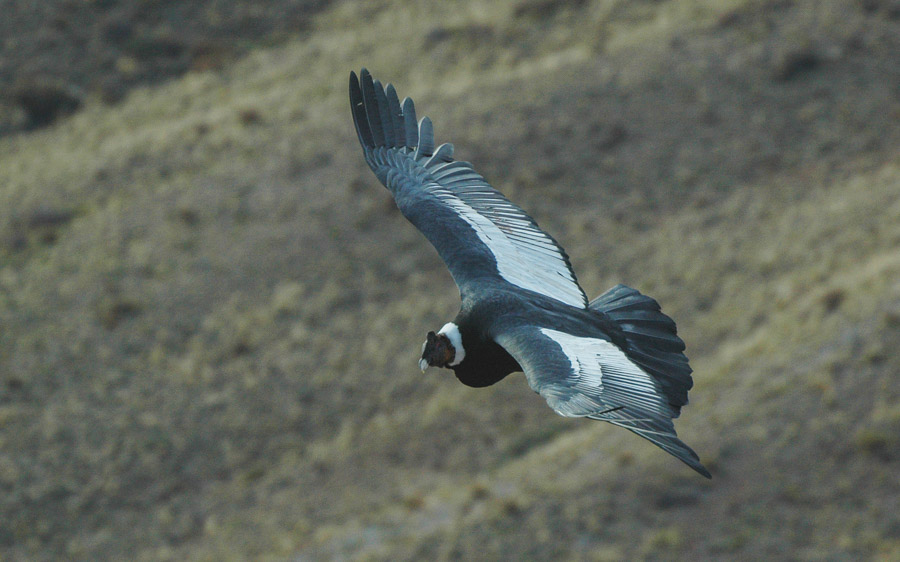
651	339
651	342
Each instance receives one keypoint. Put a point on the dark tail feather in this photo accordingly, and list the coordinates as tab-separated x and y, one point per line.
652	342
651	339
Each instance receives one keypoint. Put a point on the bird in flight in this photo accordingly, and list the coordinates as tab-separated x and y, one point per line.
616	358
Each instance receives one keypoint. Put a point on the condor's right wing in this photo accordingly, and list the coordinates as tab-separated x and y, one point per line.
479	233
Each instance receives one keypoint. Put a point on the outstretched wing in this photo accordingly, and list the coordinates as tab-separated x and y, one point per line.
594	378
478	232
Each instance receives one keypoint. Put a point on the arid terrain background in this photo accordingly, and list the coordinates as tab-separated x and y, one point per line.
211	312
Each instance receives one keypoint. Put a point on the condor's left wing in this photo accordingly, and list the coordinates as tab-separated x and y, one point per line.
594	378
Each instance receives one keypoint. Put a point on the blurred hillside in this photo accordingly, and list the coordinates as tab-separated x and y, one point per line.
211	311
57	54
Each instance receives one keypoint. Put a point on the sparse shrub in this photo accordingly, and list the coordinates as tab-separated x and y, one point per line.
414	502
833	298
541	9
113	311
44	102
792	64
877	442
249	116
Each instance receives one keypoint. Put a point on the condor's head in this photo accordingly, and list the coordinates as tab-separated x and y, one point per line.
443	349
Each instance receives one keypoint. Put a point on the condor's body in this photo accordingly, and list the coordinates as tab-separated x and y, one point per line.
617	358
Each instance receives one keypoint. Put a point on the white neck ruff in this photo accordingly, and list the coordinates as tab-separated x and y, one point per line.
451	330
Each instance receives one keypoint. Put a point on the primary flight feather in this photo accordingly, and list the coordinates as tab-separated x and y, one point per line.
617	358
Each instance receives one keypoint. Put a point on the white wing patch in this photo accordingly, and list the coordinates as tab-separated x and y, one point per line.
525	256
603	375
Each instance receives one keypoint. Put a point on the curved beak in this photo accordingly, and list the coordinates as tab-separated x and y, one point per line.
423	364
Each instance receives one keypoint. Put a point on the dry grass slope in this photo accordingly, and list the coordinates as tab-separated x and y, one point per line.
211	312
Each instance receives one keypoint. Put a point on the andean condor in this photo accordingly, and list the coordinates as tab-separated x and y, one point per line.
616	358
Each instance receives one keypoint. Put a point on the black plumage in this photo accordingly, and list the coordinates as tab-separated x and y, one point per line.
617	359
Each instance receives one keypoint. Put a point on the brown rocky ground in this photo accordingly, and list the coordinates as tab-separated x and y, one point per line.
211	311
